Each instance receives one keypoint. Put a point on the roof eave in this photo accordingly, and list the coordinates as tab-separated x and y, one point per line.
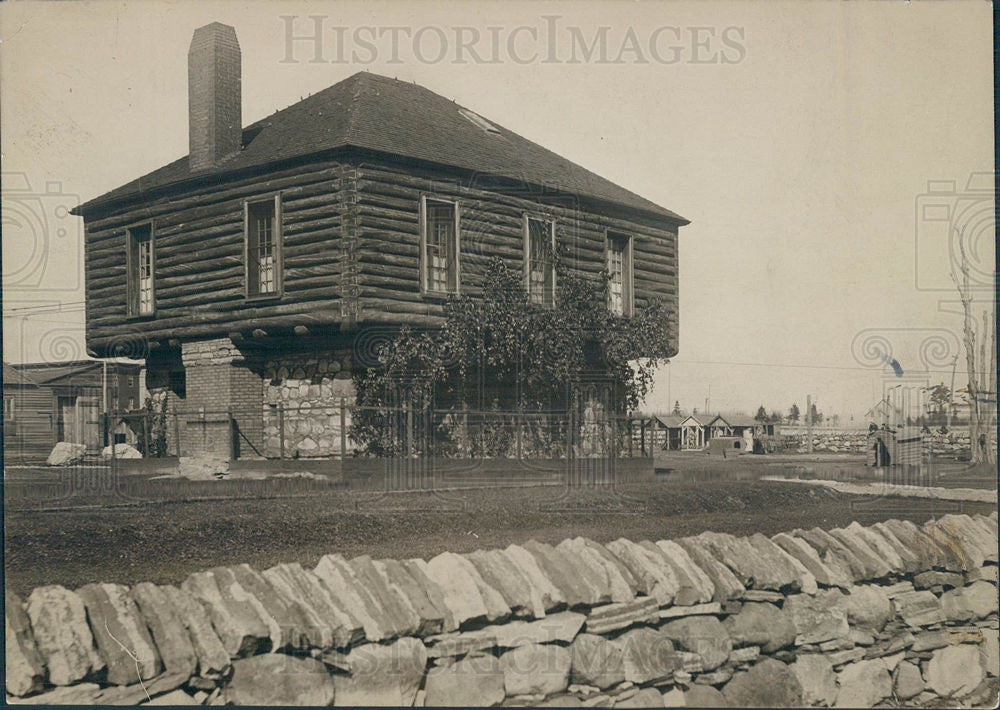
101	202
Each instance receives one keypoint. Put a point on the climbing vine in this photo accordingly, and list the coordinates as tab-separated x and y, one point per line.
499	351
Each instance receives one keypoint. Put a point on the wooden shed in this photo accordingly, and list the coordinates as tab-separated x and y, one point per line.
49	402
666	431
27	417
895	447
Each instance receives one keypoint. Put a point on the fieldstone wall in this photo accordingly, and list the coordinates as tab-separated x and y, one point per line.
953	444
894	613
309	388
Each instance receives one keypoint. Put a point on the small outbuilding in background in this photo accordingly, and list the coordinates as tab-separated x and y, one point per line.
895	447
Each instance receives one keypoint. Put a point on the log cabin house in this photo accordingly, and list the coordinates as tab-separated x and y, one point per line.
259	269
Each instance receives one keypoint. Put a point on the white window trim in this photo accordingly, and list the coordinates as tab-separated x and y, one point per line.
278	237
424	286
628	269
526	233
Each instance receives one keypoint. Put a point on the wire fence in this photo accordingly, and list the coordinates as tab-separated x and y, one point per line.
348	430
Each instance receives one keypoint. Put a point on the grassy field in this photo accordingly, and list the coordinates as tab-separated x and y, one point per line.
165	540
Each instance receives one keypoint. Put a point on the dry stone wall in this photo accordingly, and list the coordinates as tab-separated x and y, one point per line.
892	613
954	444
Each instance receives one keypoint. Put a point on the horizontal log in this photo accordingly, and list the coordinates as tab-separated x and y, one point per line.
220	191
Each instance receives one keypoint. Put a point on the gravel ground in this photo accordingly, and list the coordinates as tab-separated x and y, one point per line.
165	541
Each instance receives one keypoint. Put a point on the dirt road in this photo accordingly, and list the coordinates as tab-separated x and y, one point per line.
165	541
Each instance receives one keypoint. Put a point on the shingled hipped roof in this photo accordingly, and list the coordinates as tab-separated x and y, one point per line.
371	112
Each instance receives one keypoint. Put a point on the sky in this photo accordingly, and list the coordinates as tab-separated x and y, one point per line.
829	156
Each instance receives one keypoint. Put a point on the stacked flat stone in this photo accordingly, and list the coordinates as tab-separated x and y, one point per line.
843	617
954	444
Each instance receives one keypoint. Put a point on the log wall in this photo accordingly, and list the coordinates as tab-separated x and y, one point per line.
199	269
491	225
351	241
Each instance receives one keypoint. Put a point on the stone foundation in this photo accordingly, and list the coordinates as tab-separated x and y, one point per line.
236	397
853	617
310	389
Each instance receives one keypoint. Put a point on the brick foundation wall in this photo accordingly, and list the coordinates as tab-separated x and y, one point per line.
309	387
220	379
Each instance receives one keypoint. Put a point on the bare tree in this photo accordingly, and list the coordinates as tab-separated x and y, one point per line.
982	381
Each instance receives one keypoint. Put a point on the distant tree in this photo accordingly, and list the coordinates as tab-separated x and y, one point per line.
677	407
776	417
761	415
981	364
814	416
694	411
793	413
941	397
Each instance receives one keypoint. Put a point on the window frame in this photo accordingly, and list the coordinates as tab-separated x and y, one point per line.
526	237
612	236
278	241
9	404
133	304
425	289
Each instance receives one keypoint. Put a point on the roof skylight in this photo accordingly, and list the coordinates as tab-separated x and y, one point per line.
479	121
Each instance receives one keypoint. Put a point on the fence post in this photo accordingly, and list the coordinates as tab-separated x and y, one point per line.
281	431
519	424
409	429
629	427
233	441
570	436
613	458
642	436
343	431
177	432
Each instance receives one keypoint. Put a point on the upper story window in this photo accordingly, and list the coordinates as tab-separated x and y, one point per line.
620	272
439	246
141	263
539	259
263	247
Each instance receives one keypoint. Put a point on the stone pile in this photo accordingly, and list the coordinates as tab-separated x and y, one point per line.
856	616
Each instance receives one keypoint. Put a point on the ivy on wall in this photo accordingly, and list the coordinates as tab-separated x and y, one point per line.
499	351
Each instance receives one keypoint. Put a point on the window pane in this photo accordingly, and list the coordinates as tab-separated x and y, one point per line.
617	247
442	247
140	277
262	250
541	265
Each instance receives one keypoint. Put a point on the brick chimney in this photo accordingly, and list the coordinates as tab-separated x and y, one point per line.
215	112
